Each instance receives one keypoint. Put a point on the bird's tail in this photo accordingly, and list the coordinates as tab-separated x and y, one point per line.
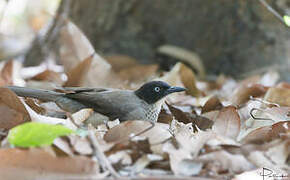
44	95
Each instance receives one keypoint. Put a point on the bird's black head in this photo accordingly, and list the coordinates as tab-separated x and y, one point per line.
153	91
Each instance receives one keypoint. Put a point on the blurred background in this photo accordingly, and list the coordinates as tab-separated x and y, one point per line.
233	37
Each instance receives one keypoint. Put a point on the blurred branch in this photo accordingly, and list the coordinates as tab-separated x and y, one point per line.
44	42
100	156
273	11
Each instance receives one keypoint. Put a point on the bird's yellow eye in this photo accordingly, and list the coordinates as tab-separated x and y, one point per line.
157	89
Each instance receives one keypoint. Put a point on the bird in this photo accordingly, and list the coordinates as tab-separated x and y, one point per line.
142	104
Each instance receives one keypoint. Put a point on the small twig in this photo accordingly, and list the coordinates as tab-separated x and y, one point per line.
138	134
43	44
273	11
101	157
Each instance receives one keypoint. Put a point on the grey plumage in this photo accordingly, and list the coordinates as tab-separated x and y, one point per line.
142	104
112	103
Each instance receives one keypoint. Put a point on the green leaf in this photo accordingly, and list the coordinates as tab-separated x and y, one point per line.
287	20
33	134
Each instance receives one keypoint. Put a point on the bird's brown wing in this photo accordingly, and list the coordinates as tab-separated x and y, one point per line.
112	103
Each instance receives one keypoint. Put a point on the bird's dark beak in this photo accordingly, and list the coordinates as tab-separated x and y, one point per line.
175	89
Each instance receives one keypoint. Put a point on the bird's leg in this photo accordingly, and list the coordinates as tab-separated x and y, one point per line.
138	134
145	130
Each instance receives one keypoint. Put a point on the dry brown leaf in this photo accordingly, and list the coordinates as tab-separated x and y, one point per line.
212	104
201	122
284	85
227	122
173	76
136	148
77	74
242	94
278	113
37	164
75	48
280	96
12	110
32	104
188	79
267	133
49	76
212	115
165	116
121	62
185	56
138	73
235	163
123	131
250	80
186	145
63	146
6	74
156	135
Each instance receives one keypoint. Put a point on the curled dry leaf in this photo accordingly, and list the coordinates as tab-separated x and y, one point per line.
280	96
242	94
76	76
186	117
227	122
188	79
212	104
165	116
6	74
36	163
49	76
185	56
267	133
173	76
81	116
12	110
75	48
